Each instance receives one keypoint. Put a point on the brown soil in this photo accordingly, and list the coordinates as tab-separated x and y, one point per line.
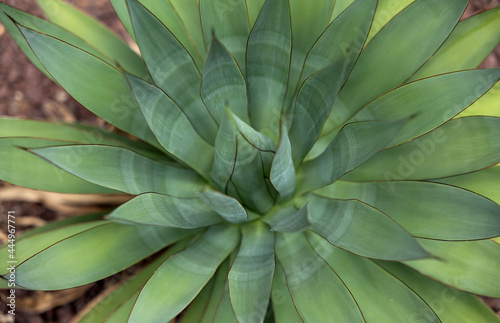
27	93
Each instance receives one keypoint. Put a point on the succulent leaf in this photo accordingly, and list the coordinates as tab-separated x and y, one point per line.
372	287
99	86
77	260
425	24
445	215
466	265
312	283
449	150
268	64
177	76
223	84
362	230
185	274
122	169
251	274
466	47
172	127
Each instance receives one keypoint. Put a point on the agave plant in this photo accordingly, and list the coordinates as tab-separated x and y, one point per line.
289	160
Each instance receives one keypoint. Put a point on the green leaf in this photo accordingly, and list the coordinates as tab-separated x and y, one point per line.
282	175
118	298
121	9
432	101
372	287
425	25
94	83
78	259
177	76
361	229
342	41
449	213
164	210
309	20
189	13
468	265
94	33
449	150
283	307
312	107
251	274
386	10
268	64
253	9
313	284
288	219
172	127
227	21
184	275
29	246
63	223
355	144
9	16
241	161
487	105
226	206
122	169
484	182
468	45
224	311
223	84
204	307
19	167
74	132
449	304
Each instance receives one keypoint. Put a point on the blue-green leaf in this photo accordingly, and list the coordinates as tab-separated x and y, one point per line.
268	64
172	127
165	210
251	274
122	169
184	275
178	75
362	230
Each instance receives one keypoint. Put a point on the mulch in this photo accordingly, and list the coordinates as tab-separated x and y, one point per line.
26	93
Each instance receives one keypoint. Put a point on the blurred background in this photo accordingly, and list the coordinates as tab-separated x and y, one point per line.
26	93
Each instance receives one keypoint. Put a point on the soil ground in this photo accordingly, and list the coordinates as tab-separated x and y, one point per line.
27	93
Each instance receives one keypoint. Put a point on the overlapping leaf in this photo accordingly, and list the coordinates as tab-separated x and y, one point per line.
177	76
164	210
227	21
251	274
468	265
223	84
372	287
425	24
362	230
426	210
268	64
122	169
449	150
449	304
184	275
354	145
241	164
172	127
94	33
432	101
468	45
77	259
91	81
313	284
